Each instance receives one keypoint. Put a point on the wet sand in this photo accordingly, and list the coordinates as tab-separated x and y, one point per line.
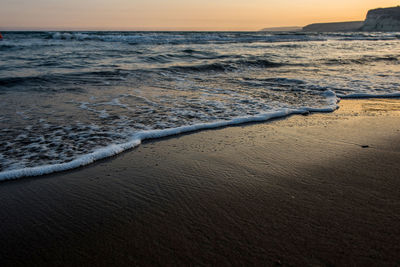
316	190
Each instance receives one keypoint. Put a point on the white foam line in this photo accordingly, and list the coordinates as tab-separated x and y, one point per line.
137	138
80	161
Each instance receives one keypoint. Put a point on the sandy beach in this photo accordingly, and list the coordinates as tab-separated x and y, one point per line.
317	190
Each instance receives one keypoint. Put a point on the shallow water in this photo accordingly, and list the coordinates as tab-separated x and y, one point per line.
69	98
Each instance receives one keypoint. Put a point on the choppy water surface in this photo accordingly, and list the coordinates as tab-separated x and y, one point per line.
68	98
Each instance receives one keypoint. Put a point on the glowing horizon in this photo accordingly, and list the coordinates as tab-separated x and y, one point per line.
179	14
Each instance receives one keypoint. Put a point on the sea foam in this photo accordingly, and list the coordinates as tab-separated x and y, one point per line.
137	139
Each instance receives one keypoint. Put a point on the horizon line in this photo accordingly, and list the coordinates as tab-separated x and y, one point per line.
143	29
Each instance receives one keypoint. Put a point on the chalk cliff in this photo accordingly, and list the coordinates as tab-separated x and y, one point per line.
379	20
383	19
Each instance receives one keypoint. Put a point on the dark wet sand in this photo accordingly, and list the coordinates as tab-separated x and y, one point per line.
310	190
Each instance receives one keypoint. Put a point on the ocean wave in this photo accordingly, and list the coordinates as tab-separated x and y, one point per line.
13	81
6	47
91	77
394	59
179	38
363	36
226	65
137	38
16	45
170	58
137	139
274	81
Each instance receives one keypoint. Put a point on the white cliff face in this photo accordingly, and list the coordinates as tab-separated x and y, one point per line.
383	19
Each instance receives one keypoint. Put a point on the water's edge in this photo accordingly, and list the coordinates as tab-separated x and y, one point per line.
139	137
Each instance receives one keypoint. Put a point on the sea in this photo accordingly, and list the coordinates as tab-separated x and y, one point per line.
68	99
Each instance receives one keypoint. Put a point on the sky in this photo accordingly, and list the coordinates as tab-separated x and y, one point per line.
238	15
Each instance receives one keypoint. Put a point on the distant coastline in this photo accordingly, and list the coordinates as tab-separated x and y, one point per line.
379	20
349	26
283	29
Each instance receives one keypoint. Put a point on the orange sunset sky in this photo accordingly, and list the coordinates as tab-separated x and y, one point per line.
179	14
